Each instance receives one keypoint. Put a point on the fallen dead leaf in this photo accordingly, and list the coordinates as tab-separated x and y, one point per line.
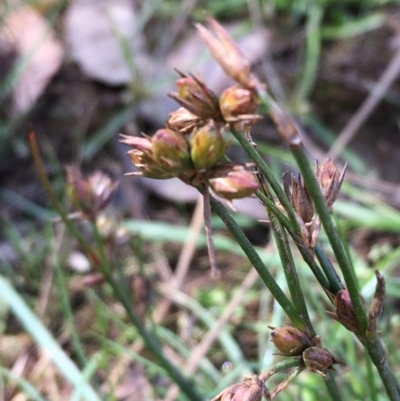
27	34
96	33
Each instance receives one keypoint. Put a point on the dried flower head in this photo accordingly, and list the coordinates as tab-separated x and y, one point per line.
250	389
227	53
344	311
238	106
329	180
289	340
194	95
298	196
182	120
143	159
230	181
92	195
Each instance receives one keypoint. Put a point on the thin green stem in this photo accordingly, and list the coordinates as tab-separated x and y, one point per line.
371	380
331	232
267	173
289	269
256	261
329	270
332	387
52	196
152	344
283	365
291	136
378	356
121	295
306	253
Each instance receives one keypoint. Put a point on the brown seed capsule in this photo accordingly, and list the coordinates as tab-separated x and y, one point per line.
329	180
250	389
318	359
237	104
344	313
232	181
289	340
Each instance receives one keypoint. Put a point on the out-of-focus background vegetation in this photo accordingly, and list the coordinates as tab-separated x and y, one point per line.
79	72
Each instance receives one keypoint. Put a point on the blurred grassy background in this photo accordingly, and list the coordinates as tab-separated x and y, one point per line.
321	59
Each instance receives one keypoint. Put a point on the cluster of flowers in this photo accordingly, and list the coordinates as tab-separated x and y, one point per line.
196	137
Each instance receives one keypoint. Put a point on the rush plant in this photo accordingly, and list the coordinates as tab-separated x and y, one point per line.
192	147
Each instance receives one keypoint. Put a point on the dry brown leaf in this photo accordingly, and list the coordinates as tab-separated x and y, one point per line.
94	32
27	34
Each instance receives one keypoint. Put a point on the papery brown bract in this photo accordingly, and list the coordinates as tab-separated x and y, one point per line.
329	180
182	120
298	196
227	53
250	389
194	95
344	311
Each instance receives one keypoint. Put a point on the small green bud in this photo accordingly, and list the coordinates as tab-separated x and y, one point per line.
170	150
232	182
289	340
207	146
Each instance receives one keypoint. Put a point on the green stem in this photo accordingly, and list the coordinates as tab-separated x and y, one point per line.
146	335
267	173
332	387
329	270
331	232
378	357
289	269
305	253
256	261
151	343
283	365
292	137
52	196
